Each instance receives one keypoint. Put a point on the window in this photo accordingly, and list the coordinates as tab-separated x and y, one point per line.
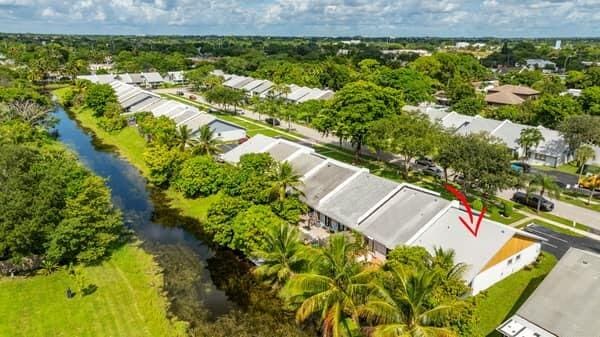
509	262
539	156
518	257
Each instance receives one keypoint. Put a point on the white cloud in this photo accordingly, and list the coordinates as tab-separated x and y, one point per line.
318	17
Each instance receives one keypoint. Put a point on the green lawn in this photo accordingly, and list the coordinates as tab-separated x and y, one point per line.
127	301
499	302
558	219
556	228
195	208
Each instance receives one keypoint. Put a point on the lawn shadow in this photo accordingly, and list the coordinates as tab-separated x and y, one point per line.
90	289
531	286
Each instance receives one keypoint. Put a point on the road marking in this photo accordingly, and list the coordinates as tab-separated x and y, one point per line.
549	244
549	235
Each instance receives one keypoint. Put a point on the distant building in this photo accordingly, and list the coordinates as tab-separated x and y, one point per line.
343	52
420	52
557	45
539	64
351	42
152	80
175	77
590	63
572	92
94	67
461	45
565	304
510	95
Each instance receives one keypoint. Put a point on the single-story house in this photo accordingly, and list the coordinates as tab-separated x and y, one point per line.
133	78
152	80
552	151
134	99
175	77
539	64
344	197
101	79
237	82
510	94
565	304
94	67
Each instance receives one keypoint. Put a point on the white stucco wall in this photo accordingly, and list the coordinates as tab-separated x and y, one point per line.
503	269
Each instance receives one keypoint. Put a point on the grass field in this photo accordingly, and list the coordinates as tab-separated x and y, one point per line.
127	302
502	300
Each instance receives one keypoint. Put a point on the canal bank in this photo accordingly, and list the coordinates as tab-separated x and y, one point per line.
203	282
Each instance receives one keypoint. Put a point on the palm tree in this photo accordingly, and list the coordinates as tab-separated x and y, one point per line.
283	255
542	183
398	309
582	155
444	260
530	138
184	137
284	178
206	143
334	290
284	90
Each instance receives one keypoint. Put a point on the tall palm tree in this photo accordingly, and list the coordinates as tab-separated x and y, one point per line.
398	309
543	184
184	137
284	178
206	143
284	90
334	290
528	139
283	255
443	260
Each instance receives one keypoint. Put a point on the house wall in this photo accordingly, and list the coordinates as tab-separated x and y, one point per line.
504	268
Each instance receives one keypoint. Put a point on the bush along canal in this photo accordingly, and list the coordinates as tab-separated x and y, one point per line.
204	282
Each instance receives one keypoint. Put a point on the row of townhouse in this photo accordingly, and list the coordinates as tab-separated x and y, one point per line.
134	99
148	80
552	151
343	197
265	88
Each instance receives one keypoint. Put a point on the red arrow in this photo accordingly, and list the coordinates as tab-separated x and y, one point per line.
463	200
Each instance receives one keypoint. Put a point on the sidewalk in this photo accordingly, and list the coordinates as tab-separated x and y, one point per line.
532	217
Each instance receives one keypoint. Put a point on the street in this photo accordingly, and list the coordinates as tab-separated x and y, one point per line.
559	243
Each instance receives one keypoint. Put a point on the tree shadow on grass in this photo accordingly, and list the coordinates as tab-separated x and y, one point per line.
531	286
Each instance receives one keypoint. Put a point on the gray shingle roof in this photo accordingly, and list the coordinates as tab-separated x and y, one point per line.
199	120
509	132
324	180
282	150
553	145
255	144
185	115
567	303
455	120
305	162
153	77
479	124
353	200
402	216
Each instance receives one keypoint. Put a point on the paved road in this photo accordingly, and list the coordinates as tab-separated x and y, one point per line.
582	215
559	243
565	210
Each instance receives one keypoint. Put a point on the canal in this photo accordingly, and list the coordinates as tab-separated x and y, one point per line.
175	240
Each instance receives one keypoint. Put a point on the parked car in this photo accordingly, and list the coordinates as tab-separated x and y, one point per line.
273	121
532	201
424	162
433	171
520	167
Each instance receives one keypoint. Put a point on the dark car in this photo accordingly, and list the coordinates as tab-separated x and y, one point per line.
532	201
273	121
424	162
433	171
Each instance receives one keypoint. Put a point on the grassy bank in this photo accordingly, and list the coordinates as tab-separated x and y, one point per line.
498	303
131	145
127	301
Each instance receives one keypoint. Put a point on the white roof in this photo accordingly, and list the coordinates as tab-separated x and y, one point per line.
199	120
255	144
265	86
297	93
251	85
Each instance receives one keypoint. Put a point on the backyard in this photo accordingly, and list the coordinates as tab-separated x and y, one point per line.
127	301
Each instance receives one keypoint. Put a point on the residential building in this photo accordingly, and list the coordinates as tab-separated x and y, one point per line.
565	304
131	78
343	197
552	151
95	67
420	52
134	100
152	80
539	64
461	45
510	95
175	77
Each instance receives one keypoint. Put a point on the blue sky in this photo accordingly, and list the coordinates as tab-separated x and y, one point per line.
465	18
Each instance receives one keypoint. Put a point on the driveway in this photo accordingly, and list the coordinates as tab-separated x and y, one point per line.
565	210
559	243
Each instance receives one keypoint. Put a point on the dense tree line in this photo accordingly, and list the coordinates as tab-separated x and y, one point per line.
50	205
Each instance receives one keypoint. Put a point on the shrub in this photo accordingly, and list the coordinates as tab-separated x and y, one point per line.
508	209
477	204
